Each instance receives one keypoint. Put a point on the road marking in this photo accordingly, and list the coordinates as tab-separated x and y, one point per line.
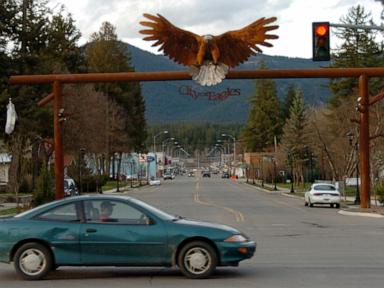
239	217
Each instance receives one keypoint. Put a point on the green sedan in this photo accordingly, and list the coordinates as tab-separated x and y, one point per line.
116	231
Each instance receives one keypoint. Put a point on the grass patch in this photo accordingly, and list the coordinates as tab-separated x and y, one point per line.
113	185
300	188
109	185
10	211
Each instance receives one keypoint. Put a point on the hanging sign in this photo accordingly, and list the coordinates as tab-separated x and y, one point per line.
211	95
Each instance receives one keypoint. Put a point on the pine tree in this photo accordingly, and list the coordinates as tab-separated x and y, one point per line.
125	123
359	49
32	29
286	105
295	135
264	120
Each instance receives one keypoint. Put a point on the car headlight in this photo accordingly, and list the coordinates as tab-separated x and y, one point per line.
236	238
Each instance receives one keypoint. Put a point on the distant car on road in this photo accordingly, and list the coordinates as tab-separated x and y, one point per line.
322	193
168	176
225	175
206	174
70	188
103	230
191	174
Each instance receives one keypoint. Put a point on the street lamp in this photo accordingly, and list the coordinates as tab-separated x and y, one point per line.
221	151
154	139
234	146
290	160
81	159
165	142
118	157
356	147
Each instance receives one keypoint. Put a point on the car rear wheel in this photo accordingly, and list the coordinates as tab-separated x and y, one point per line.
197	260
310	203
33	261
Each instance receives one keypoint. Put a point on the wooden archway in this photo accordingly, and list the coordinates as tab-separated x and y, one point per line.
363	74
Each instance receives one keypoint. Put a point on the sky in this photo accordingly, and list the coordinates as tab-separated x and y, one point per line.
214	17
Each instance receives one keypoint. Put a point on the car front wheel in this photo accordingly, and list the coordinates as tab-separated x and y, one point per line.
33	261
197	260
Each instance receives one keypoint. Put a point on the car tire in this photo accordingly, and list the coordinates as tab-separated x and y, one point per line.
310	203
337	205
33	261
197	260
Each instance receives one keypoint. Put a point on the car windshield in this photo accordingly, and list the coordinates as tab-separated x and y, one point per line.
161	214
324	188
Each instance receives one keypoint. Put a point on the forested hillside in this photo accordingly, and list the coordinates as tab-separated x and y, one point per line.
172	100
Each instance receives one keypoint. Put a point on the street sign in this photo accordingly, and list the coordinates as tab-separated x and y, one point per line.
150	158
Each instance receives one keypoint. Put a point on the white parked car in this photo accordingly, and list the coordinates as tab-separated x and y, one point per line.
154	182
322	193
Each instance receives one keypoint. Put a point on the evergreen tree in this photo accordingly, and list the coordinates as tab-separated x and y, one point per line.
295	135
105	53
359	49
288	100
30	27
61	48
264	120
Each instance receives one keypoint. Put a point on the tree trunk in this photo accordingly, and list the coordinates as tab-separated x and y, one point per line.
16	148
327	154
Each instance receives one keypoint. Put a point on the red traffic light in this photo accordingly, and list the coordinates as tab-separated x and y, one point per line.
321	30
320	41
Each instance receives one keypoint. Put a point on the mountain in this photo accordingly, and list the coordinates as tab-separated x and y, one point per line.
185	101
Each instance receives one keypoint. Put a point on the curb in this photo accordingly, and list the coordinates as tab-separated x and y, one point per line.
279	190
361	214
292	196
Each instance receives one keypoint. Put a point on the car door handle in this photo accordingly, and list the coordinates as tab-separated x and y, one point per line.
91	230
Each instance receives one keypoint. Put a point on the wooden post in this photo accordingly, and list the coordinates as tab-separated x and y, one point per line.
58	140
365	201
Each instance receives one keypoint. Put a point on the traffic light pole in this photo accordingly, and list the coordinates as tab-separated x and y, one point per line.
352	26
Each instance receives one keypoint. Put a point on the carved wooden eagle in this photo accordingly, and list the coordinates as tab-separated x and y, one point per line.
208	56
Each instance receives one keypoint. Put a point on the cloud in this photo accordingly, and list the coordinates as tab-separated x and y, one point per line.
215	17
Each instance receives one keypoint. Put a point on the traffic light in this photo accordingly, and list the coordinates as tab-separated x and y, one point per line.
320	41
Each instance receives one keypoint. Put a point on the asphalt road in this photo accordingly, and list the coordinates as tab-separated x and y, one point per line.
297	246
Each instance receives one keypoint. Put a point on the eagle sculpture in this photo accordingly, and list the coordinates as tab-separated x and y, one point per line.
209	57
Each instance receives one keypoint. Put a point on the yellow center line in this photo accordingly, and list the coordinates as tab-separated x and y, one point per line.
239	217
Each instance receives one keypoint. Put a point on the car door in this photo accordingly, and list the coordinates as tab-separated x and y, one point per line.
61	226
128	237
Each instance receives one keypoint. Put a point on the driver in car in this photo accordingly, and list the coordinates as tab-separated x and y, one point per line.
106	209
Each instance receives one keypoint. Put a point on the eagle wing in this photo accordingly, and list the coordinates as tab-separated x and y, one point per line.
180	45
237	46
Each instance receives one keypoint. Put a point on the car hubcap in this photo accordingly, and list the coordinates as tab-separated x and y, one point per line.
197	260
32	261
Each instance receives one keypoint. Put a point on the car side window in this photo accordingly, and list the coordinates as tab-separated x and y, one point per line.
63	213
111	211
